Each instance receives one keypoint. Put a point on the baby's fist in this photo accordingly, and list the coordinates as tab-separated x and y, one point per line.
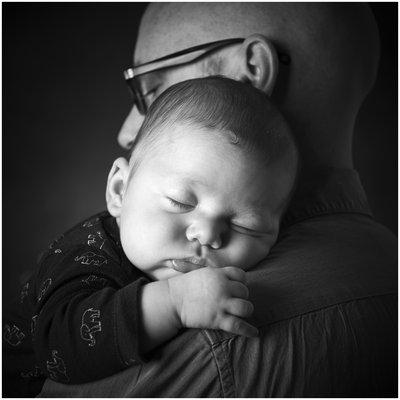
213	298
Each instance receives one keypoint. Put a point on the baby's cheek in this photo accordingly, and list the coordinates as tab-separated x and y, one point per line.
168	228
159	235
248	251
141	246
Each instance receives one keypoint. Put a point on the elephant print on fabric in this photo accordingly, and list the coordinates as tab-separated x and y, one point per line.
90	325
90	258
13	335
56	368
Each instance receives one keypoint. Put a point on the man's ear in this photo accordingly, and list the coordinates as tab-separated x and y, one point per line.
116	185
258	63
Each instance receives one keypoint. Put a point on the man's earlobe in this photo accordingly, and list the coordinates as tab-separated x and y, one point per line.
116	185
260	64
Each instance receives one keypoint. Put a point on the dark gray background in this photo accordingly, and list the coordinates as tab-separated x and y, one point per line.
64	100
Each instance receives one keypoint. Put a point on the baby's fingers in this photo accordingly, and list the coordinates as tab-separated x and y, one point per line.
238	289
238	326
235	274
239	307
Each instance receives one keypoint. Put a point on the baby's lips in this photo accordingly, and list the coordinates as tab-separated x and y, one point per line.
185	266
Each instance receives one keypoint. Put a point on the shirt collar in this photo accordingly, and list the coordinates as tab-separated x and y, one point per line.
327	191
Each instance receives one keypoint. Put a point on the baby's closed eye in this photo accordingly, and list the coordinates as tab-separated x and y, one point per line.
183	205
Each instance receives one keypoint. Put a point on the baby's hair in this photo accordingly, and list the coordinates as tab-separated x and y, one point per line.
244	113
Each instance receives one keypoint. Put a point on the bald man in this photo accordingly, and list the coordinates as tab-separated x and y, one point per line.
325	299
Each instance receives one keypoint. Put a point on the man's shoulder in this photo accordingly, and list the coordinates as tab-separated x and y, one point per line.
325	303
333	231
321	262
348	349
337	242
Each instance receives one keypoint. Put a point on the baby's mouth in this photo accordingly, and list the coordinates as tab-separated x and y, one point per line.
188	264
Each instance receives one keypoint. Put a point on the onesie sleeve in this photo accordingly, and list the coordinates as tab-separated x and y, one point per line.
86	319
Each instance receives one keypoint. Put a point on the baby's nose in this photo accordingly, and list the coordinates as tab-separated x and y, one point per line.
207	232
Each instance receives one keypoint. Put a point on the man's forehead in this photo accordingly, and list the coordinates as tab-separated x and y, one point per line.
170	27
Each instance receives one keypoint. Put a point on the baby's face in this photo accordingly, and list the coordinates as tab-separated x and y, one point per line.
199	200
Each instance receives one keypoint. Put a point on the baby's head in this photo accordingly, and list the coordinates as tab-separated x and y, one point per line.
211	173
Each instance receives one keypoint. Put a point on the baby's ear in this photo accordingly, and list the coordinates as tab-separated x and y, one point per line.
116	185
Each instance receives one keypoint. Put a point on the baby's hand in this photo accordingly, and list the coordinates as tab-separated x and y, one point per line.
213	298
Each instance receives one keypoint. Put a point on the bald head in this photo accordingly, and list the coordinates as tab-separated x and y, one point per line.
334	56
333	35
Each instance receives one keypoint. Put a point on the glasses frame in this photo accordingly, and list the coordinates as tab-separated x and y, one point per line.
176	59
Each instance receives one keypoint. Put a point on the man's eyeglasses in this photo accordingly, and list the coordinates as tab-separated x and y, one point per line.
133	75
